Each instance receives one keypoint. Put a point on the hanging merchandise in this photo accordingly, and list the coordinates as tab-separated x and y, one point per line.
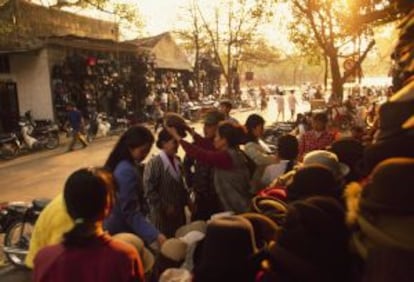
99	82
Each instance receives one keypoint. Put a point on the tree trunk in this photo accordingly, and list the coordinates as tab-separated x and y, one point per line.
197	66
229	77
337	84
229	55
325	77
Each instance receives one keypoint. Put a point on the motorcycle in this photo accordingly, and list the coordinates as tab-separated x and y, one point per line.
118	124
190	110
17	220
38	134
274	131
38	138
28	138
8	146
97	126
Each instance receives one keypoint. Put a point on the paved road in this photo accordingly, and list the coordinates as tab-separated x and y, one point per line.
43	175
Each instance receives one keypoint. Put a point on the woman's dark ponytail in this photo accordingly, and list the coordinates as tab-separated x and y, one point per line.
79	235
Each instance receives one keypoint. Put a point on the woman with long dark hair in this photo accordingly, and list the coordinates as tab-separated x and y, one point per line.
87	253
231	174
128	214
256	150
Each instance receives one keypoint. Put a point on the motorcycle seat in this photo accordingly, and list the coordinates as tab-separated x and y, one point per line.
6	137
40	204
43	128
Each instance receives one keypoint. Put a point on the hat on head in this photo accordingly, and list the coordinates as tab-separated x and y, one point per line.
328	159
176	275
146	256
172	255
313	244
226	251
213	117
271	207
312	180
400	146
221	214
198	225
350	152
392	117
381	193
277	192
192	237
386	213
174	249
396	132
265	229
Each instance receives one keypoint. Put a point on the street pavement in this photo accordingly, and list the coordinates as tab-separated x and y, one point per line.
43	174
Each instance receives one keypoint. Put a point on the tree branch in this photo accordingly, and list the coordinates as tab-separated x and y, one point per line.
308	13
358	63
213	41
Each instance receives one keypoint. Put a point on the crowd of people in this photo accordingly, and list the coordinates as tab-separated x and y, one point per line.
320	208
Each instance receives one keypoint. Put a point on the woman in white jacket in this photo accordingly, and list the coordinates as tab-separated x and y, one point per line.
256	150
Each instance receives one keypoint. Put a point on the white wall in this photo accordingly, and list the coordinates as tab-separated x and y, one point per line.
31	73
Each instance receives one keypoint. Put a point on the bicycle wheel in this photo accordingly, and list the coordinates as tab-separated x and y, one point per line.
16	242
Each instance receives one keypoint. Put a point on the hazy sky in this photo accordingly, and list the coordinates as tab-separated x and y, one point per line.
163	15
160	15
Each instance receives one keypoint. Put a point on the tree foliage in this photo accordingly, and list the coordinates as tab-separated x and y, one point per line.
260	54
232	31
328	26
378	11
128	15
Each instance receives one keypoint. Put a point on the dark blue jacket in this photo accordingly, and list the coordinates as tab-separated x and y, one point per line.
75	119
127	214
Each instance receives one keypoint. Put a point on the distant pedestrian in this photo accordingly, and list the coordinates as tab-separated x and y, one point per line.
157	114
263	99
225	108
149	103
164	100
292	102
76	121
319	138
280	102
